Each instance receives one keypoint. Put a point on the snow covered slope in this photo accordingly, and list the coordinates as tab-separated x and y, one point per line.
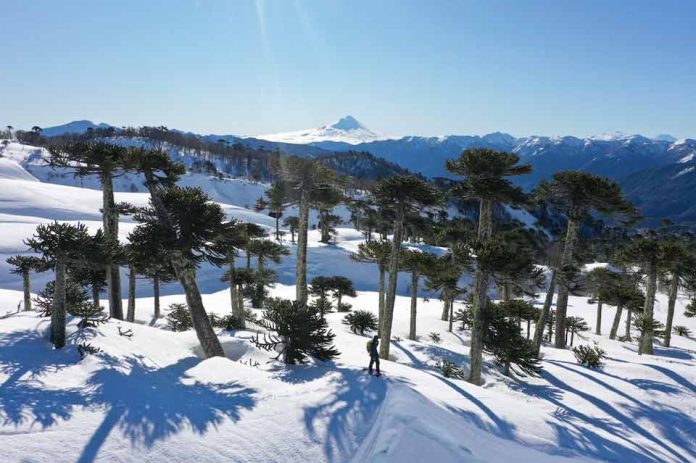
345	130
153	398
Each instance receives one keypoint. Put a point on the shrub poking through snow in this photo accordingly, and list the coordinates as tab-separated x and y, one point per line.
590	356
464	318
361	321
179	317
75	298
228	322
85	349
92	315
296	332
450	369
435	337
681	330
649	326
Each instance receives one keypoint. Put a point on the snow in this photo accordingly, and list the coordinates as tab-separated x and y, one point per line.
687	158
153	398
684	171
346	130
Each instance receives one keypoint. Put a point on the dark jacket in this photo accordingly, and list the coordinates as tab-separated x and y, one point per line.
374	352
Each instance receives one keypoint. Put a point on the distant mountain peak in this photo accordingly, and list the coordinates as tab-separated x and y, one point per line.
665	137
76	127
347	123
345	130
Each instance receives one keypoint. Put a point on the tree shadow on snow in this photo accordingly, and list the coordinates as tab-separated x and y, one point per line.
348	414
149	404
573	434
145	403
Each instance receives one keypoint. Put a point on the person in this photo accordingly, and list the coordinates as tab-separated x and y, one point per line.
374	355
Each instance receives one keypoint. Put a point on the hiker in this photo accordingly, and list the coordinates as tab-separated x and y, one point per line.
374	355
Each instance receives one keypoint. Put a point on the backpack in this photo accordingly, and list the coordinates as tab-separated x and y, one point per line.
369	346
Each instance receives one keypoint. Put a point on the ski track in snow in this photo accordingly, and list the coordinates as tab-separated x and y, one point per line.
153	398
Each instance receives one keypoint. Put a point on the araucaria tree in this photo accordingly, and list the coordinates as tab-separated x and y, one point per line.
677	268
298	332
106	161
276	204
190	226
376	252
24	265
402	194
578	195
265	250
293	223
305	180
59	244
485	178
417	263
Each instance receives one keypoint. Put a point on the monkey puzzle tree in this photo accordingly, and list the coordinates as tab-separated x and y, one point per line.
623	293
341	288
305	180
485	173
106	161
276	204
677	264
645	251
402	194
417	263
320	288
578	195
325	200
24	265
376	252
265	250
443	276
59	244
147	251
292	222
598	282
190	225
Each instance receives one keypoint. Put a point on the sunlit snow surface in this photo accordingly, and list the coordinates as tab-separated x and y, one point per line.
153	398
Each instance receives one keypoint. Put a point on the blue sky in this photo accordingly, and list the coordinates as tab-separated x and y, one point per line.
400	66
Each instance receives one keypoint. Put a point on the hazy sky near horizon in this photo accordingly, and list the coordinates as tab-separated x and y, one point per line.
401	67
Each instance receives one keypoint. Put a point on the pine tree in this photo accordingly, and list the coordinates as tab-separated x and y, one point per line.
503	339
106	161
297	331
401	194
575	325
376	252
24	265
578	195
325	200
485	173
59	244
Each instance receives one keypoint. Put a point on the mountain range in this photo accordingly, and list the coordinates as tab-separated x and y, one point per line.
657	173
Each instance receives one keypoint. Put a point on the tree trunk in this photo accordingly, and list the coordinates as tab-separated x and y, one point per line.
301	269
414	305
382	296
562	300
529	327
261	288
646	338
505	292
598	328
541	323
572	337
130	315
445	310
26	286
233	286
478	326
615	324
671	302
95	295
628	325
485	230
391	288
201	323
451	314
277	231
110	221
58	309
156	289
240	308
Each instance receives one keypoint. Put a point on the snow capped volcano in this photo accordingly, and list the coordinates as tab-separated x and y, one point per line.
346	130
